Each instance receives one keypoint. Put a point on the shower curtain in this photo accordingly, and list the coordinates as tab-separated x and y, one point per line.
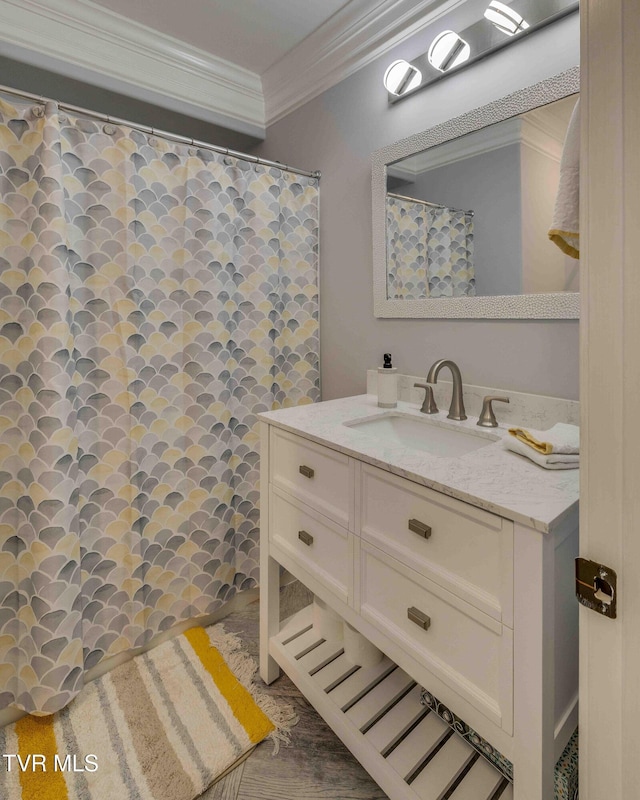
429	251
451	269
406	249
153	299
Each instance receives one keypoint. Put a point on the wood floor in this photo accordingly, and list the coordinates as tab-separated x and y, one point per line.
316	766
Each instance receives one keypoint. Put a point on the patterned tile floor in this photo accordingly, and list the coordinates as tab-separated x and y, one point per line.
316	766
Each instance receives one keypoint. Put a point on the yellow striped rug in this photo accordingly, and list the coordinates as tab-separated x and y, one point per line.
163	726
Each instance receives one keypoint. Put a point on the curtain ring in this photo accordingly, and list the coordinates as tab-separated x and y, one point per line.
38	111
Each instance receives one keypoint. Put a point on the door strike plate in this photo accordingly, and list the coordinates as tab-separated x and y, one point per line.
596	587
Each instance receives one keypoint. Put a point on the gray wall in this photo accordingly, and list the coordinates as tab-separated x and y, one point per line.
77	92
336	132
489	185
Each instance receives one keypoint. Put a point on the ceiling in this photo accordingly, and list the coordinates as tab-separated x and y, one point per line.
238	64
254	34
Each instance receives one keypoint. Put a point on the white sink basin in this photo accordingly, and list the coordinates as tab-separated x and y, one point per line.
435	438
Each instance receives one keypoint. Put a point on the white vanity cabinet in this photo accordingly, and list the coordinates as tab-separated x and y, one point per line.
472	606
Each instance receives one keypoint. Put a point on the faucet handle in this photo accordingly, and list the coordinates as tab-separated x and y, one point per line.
429	405
487	417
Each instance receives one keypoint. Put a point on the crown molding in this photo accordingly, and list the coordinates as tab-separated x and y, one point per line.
120	54
548	120
484	140
543	140
406	174
529	130
352	38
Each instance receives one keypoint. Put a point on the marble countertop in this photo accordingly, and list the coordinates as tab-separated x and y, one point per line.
490	477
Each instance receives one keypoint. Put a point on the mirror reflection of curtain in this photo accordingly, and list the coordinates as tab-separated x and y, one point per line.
429	251
406	249
451	272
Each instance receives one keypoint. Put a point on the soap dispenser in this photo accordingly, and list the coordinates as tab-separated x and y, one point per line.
387	384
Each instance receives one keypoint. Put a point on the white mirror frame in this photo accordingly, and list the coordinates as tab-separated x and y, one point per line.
552	305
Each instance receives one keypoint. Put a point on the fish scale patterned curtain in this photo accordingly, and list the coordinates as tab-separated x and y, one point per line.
450	253
153	299
429	250
406	249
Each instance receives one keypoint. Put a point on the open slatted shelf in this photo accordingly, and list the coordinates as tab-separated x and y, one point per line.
376	711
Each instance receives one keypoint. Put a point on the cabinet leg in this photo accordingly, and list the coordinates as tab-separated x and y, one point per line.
533	669
269	615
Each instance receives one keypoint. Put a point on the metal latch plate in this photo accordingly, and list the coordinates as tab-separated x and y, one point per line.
597	587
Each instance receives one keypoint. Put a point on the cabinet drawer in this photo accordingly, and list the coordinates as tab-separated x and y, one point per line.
316	475
319	545
466	649
462	548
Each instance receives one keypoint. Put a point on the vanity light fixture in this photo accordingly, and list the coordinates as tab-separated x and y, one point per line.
505	19
401	77
447	51
502	23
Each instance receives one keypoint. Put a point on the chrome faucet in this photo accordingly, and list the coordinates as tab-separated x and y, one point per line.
456	409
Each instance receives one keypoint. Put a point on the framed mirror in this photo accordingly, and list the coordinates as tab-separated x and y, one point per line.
461	213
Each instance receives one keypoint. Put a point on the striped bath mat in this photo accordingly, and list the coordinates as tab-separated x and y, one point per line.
163	726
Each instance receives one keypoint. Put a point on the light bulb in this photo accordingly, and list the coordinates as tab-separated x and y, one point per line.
448	50
401	77
504	18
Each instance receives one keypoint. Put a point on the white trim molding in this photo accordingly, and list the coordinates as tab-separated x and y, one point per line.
609	335
535	137
527	130
494	137
87	42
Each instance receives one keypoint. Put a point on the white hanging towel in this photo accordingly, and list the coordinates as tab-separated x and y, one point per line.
564	229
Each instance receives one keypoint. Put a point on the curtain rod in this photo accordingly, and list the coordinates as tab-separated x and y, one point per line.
427	203
174	137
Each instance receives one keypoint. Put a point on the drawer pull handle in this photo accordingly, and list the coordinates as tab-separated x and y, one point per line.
306	471
421	620
420	528
305	537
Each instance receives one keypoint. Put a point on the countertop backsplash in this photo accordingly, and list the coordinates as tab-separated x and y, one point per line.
527	410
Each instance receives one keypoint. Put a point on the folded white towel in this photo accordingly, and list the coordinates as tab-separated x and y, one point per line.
553	461
561	438
564	229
